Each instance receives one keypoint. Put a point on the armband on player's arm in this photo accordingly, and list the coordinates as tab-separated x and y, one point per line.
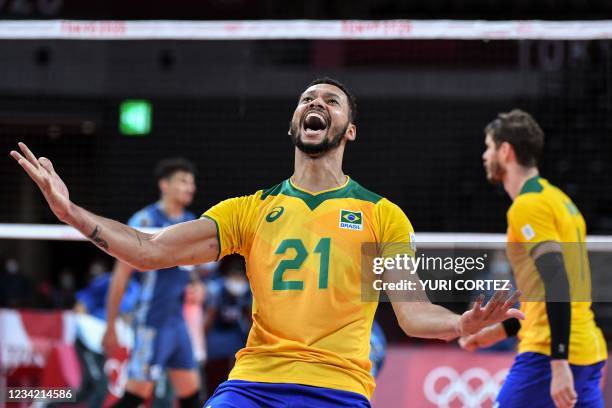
558	307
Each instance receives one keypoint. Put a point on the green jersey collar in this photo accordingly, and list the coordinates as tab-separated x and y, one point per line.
532	185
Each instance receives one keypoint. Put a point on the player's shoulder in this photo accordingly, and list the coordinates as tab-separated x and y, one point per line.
536	197
386	207
390	215
245	204
271	191
382	205
535	192
145	217
361	193
526	201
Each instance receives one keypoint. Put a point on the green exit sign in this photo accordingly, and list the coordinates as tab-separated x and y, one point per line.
135	117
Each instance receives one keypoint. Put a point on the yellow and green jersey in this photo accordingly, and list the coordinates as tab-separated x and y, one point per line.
303	255
541	212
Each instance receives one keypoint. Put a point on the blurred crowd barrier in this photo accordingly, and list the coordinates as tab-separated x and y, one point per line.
38	349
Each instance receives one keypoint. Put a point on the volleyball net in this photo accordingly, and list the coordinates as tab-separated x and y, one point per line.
219	92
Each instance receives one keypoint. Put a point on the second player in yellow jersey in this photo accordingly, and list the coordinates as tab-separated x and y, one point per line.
542	213
561	350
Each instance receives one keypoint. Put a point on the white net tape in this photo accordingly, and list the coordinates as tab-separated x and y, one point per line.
424	239
306	29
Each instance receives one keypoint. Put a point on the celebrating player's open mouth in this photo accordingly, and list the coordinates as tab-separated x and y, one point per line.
314	124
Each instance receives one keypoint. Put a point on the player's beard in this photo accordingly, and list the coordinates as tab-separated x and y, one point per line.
316	149
495	172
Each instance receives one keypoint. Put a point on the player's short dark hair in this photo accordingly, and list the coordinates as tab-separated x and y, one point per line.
522	132
166	168
349	96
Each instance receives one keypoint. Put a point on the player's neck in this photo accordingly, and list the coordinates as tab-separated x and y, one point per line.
516	177
171	208
320	173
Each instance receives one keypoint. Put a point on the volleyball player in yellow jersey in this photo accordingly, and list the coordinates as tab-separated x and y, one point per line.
561	350
302	240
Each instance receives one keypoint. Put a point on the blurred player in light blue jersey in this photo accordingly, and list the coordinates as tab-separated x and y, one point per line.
161	339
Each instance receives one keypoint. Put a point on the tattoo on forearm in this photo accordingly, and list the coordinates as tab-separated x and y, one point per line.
97	239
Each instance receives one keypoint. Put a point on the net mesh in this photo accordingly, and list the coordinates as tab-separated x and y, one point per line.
226	105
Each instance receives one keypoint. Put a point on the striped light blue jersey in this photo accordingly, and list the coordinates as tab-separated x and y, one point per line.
161	297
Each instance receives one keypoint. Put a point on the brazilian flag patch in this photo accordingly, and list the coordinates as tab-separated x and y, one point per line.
352	220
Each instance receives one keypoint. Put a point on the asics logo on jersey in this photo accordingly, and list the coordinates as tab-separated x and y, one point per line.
275	214
352	220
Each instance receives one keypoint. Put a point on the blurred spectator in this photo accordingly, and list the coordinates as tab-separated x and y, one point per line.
91	301
44	296
16	289
97	268
228	318
63	297
378	348
193	310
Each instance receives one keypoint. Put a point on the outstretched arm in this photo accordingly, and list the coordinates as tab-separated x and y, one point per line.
418	317
426	320
188	243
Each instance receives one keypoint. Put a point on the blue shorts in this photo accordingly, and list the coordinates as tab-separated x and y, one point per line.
245	394
156	349
528	384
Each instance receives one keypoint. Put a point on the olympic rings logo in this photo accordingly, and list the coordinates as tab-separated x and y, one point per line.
473	387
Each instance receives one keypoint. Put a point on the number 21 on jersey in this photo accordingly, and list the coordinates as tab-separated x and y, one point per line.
301	253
